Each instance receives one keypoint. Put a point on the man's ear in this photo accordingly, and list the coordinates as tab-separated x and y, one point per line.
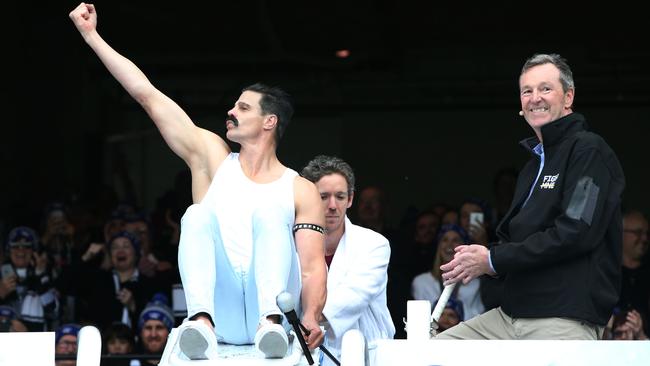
568	98
270	121
350	199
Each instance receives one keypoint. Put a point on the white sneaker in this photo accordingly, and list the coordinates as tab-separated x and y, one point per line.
197	341
271	339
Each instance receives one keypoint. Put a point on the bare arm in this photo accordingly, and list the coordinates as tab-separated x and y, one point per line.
311	251
184	138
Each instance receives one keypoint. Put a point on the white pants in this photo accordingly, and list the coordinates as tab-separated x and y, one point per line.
236	303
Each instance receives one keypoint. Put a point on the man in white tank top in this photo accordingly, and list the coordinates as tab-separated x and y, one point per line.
237	249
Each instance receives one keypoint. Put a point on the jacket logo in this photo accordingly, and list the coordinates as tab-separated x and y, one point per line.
549	181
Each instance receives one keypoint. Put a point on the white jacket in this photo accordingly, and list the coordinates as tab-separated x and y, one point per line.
356	289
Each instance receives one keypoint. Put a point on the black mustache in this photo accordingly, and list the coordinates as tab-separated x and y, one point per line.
233	119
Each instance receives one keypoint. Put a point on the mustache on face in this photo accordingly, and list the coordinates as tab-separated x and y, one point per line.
233	119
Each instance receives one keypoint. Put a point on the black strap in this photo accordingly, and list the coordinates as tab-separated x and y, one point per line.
314	227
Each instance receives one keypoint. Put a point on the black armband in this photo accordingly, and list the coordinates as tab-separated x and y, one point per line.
314	227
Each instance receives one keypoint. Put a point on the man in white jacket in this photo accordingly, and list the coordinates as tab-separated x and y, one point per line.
357	260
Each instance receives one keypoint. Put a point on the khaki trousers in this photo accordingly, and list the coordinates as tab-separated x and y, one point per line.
495	324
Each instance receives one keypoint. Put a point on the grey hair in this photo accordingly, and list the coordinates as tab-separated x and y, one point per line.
323	165
566	76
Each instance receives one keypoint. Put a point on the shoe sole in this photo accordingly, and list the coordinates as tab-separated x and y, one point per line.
273	345
193	344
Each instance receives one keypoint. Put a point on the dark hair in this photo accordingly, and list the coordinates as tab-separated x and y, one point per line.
566	76
135	243
323	165
274	101
118	330
483	204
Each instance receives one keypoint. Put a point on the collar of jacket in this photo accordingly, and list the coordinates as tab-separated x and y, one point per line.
556	131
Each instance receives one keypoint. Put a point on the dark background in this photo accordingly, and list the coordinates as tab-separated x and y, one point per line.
426	105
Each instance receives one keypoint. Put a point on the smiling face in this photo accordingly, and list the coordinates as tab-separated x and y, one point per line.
122	254
542	97
154	336
20	253
448	241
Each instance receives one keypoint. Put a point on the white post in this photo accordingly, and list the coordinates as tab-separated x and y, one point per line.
418	320
89	351
354	350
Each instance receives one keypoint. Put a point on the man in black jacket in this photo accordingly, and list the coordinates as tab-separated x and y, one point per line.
559	249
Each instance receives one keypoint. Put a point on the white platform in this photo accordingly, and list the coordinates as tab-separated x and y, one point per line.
504	353
245	355
33	348
37	348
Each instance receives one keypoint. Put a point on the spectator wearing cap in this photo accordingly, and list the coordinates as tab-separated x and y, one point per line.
428	285
26	281
120	293
154	324
451	315
66	342
8	320
118	339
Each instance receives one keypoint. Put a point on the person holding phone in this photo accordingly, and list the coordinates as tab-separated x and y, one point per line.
472	218
26	283
559	246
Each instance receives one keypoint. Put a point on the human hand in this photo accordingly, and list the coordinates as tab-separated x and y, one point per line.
470	261
634	322
125	296
314	335
7	285
92	251
84	18
478	234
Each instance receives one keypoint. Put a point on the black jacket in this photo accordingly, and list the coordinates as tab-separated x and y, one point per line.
560	254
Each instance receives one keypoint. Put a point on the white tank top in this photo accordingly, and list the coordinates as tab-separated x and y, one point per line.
234	198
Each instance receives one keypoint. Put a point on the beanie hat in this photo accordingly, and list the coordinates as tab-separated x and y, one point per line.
132	238
22	232
157	309
7	312
67	329
453	227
